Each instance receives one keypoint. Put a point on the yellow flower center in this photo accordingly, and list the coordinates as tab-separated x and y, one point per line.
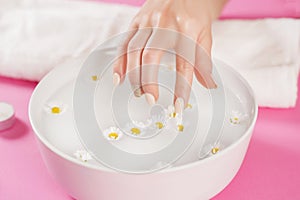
94	78
135	131
234	120
55	110
189	105
159	125
180	127
215	150
174	114
113	135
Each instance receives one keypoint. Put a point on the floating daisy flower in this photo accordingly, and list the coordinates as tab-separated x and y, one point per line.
189	106
112	133
237	117
173	115
82	155
95	78
179	124
55	108
215	150
138	128
159	125
210	150
180	127
170	112
174	119
159	121
135	131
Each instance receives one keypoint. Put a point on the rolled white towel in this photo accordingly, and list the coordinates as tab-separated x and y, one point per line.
266	52
38	35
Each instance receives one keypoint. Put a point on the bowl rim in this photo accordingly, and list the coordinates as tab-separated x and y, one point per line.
73	160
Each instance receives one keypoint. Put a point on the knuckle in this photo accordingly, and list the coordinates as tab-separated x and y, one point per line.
156	15
186	67
133	79
148	56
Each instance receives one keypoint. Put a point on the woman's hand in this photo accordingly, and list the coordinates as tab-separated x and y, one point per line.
192	18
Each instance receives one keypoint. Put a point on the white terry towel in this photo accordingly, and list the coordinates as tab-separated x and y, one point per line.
38	35
266	53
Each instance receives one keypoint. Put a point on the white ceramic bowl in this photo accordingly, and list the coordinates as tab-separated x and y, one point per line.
189	178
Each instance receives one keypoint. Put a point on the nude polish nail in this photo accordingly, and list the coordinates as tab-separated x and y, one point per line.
137	92
179	105
116	79
150	98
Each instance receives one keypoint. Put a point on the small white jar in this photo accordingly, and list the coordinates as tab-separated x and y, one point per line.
7	116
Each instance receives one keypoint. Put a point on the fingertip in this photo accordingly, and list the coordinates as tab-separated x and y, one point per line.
119	68
151	89
206	81
116	79
138	92
179	105
184	79
150	99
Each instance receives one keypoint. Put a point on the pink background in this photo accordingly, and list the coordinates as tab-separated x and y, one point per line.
271	169
246	8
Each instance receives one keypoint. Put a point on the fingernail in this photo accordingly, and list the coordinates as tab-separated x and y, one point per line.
150	98
138	92
179	105
116	79
211	83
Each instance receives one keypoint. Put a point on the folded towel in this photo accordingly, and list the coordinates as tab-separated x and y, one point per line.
36	36
266	53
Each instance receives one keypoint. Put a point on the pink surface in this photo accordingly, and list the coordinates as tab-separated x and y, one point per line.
246	8
270	170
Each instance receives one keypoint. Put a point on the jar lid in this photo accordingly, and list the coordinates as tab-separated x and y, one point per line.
7	116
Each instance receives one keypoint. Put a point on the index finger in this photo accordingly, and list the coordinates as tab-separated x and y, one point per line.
120	65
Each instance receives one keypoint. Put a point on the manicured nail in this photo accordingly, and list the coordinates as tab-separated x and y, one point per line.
150	98
138	92
179	105
210	83
116	79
